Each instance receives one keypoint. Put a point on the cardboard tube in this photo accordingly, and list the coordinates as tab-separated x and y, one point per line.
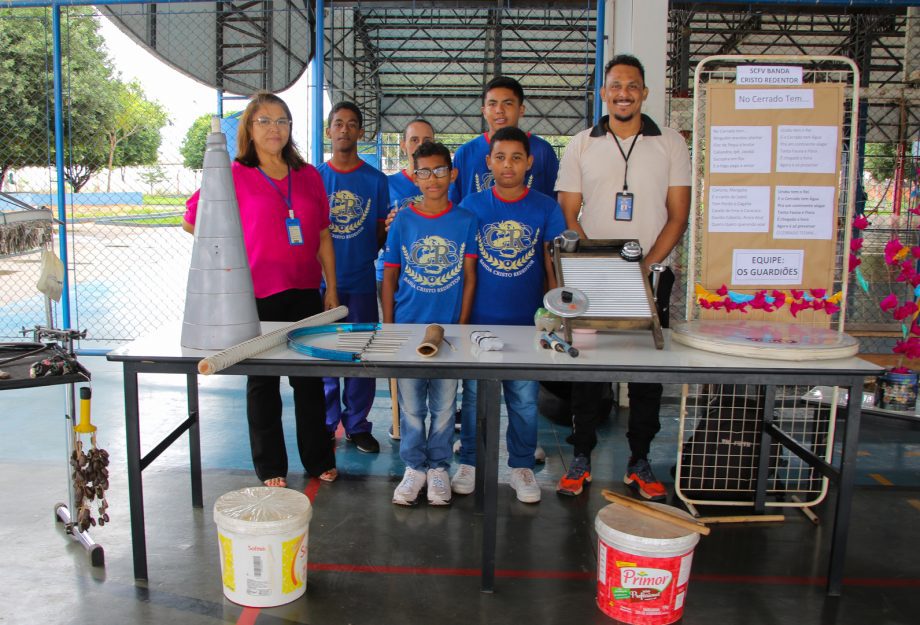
641	508
430	345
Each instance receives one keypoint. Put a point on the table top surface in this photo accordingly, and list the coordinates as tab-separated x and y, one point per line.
608	350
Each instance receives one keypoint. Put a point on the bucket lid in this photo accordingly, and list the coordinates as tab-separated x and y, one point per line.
621	525
262	510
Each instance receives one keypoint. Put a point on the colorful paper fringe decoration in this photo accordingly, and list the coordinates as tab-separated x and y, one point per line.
795	300
903	259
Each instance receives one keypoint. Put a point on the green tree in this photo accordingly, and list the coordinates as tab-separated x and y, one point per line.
192	148
881	160
25	88
133	132
94	100
153	176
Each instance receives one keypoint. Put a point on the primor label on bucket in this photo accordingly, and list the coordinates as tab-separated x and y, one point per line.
642	584
642	590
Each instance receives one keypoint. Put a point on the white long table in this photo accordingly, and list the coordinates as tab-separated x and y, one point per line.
622	357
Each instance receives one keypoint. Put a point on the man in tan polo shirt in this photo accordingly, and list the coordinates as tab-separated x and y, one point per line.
625	178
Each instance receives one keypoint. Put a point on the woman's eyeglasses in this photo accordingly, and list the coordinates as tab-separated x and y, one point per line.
265	122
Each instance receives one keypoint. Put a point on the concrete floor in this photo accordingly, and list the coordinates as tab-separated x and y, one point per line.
376	563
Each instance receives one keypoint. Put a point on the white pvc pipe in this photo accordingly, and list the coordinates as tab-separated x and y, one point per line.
253	347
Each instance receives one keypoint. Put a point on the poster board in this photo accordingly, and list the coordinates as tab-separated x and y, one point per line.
771	187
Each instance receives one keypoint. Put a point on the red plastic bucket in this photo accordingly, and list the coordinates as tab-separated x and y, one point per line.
643	566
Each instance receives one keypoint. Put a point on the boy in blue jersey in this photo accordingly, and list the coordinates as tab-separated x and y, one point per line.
515	227
429	276
358	201
503	107
403	189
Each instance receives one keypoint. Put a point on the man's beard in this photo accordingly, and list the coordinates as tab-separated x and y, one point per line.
624	118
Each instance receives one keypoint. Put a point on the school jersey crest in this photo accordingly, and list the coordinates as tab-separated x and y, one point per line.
347	212
507	247
433	263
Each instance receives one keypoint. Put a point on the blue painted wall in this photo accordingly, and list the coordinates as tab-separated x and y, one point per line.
80	199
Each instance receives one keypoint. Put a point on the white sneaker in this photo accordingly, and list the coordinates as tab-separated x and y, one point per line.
464	481
525	485
438	487
457	446
406	494
539	455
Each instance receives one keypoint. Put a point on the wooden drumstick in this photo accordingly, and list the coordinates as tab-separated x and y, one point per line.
430	345
655	513
744	518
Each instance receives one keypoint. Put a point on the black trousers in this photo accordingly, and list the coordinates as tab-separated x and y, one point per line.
263	400
644	398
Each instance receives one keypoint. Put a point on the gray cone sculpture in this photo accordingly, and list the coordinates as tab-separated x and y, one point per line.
220	304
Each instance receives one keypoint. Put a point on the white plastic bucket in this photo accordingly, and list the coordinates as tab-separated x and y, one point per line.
262	533
643	565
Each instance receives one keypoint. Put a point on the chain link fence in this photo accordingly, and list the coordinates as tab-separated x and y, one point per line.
131	158
132	152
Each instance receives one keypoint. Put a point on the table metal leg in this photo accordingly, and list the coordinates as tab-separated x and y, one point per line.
489	396
845	488
135	484
482	443
194	440
766	442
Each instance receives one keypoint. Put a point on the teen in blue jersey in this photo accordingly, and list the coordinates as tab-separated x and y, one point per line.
358	204
429	277
503	106
515	227
403	189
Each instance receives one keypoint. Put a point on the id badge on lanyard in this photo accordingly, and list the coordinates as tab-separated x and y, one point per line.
623	204
292	223
623	211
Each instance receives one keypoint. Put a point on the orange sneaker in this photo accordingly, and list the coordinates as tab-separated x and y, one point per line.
573	482
639	475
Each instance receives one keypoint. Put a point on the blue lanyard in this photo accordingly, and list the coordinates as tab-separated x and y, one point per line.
286	198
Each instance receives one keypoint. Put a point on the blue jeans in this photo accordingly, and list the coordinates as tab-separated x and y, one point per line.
521	437
416	399
357	394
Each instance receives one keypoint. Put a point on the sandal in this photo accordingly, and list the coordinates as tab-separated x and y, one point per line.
276	482
330	475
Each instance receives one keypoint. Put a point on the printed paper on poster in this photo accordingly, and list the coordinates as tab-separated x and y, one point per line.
778	75
740	149
803	213
750	267
738	209
774	99
806	149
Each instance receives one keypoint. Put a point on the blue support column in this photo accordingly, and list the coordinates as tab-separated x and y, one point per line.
316	147
59	160
599	60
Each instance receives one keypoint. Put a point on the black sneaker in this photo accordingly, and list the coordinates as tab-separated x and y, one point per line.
457	420
364	441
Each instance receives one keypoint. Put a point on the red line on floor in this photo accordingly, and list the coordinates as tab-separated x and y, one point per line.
248	616
454	572
764	580
312	488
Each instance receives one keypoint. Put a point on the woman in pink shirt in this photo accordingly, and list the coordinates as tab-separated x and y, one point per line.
285	217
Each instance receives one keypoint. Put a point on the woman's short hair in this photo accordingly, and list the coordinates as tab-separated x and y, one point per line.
245	148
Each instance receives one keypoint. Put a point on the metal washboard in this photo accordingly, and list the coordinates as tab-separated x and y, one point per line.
619	296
